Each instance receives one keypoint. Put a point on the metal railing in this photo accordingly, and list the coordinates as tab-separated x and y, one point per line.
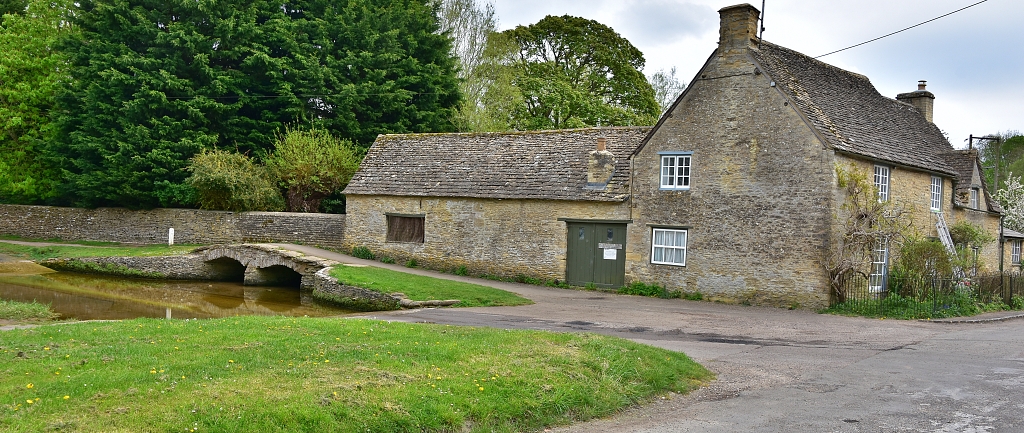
924	297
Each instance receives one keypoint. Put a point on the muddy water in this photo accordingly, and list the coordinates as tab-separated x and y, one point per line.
88	297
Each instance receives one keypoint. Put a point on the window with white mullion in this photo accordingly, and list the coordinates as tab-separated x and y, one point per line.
1015	252
675	171
882	182
936	193
668	247
879	268
974	198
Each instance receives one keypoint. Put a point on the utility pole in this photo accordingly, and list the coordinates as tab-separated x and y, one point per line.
999	154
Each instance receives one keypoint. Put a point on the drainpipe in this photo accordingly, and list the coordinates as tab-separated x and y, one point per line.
1002	251
1002	244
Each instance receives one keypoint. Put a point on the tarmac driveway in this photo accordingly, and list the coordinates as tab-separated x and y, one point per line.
785	371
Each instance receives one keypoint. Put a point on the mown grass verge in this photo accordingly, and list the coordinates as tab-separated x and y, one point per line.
59	241
421	288
25	312
301	374
51	252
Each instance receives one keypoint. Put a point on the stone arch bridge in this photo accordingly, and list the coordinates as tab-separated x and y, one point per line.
259	264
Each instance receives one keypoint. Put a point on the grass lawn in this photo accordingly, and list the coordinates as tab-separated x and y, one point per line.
50	252
420	288
273	374
25	312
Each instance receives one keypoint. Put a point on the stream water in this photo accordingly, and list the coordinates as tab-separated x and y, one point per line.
89	297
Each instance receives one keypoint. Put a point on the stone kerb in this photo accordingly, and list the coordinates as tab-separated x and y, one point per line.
327	288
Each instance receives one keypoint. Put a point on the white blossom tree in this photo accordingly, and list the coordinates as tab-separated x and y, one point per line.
1011	197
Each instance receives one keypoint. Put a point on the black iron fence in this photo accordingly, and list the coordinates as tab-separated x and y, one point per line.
926	297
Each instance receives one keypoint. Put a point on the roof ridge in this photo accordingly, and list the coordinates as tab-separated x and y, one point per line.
504	133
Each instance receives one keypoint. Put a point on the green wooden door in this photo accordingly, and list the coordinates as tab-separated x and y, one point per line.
595	254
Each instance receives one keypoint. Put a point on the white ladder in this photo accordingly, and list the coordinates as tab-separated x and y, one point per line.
943	229
947	241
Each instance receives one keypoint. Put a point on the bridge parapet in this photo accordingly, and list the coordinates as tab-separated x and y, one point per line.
266	264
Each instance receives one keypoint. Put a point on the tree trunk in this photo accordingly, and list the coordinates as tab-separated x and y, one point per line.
300	200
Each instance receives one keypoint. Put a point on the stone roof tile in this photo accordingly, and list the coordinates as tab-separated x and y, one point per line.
548	165
851	115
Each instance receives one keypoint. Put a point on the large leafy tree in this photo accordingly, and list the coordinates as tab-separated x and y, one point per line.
12	7
666	87
155	82
470	24
574	72
31	70
1001	154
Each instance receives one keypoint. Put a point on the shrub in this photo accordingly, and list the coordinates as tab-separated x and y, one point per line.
1017	302
639	288
461	270
921	258
313	165
363	253
411	263
387	260
230	181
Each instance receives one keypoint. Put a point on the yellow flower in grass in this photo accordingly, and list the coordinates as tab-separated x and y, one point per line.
29	386
67	397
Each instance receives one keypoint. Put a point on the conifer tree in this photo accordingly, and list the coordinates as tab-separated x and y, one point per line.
155	82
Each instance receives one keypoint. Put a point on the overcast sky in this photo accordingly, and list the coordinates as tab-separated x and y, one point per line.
973	60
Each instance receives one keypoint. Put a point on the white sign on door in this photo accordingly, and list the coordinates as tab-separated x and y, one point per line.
611	254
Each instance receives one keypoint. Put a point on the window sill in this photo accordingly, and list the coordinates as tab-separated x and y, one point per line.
678	265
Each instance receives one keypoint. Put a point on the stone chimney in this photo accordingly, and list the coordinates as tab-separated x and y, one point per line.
922	99
738	30
600	166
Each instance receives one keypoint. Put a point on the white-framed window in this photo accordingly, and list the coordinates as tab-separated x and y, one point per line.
668	247
675	171
879	268
936	189
1015	251
974	198
882	182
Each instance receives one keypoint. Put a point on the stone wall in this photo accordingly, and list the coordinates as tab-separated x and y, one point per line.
496	237
184	267
191	226
912	189
327	288
761	197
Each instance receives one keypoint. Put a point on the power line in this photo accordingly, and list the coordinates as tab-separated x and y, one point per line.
899	31
233	97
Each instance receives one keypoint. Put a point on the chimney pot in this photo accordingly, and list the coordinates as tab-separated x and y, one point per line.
921	84
602	143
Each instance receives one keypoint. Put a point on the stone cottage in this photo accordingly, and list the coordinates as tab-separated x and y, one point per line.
499	203
733	193
759	133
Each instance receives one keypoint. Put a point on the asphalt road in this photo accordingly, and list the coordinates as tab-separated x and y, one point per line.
781	370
